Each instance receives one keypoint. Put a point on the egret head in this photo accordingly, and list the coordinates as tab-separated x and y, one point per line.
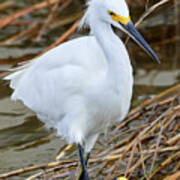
115	13
106	11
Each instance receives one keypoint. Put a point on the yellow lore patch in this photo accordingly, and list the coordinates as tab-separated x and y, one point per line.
118	18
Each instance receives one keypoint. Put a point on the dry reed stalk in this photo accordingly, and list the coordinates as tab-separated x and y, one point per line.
62	38
177	166
168	161
33	28
51	170
151	10
175	176
66	20
7	4
142	135
177	126
173	40
172	116
51	16
142	158
168	149
147	13
36	142
9	19
3	74
168	93
174	140
157	148
148	156
35	176
47	22
20	35
136	165
117	147
131	157
35	168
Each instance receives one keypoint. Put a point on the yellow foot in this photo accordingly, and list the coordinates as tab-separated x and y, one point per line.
122	178
62	153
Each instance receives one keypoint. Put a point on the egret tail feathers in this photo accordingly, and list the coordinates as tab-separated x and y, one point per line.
16	74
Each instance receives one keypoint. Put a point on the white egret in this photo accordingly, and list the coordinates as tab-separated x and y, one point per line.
84	85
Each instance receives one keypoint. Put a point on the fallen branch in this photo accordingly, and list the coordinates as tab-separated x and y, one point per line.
34	168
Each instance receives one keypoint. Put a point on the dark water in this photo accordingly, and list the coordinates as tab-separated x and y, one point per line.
23	139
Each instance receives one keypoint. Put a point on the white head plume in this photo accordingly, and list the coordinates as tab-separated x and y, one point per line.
98	9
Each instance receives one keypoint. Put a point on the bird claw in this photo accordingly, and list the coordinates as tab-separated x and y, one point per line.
84	176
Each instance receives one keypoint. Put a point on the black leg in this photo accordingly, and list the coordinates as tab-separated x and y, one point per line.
84	173
87	158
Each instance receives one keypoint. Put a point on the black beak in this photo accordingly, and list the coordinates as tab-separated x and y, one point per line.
131	30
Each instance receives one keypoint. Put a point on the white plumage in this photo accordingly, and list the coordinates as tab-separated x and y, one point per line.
82	86
73	92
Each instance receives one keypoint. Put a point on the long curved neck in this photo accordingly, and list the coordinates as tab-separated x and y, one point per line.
113	48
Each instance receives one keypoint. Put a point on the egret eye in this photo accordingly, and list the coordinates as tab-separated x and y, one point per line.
111	13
